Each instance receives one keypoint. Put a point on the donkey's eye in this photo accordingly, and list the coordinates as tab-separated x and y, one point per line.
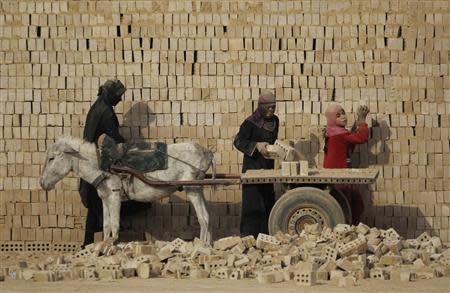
50	159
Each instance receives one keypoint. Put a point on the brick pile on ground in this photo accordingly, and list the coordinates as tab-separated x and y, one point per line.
343	255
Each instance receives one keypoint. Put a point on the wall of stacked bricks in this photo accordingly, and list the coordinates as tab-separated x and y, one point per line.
194	70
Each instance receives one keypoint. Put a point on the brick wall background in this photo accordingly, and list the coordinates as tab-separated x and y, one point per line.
193	70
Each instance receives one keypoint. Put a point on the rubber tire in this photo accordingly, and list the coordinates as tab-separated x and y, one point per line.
343	202
302	197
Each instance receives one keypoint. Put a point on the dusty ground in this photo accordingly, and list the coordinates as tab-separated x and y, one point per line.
441	285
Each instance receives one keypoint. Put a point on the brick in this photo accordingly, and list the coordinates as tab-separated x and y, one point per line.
270	277
44	276
239	248
356	246
222	273
425	273
286	169
399	274
200	250
377	274
109	274
166	252
409	255
329	253
143	270
337	274
129	272
237	274
305	278
346	281
423	237
394	245
199	274
227	243
144	249
266	242
390	260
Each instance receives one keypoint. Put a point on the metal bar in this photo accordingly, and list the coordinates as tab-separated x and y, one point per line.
223	176
152	182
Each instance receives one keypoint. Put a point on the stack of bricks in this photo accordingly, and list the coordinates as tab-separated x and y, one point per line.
194	70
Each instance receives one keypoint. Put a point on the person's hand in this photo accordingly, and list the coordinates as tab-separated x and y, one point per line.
361	113
120	149
261	147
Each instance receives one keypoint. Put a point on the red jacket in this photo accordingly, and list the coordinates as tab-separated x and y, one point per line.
337	146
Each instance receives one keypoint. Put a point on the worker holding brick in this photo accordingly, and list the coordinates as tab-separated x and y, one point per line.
339	145
256	132
101	119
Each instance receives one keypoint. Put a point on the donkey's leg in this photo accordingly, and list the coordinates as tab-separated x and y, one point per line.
195	195
114	214
106	220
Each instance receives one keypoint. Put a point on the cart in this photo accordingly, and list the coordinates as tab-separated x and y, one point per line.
307	199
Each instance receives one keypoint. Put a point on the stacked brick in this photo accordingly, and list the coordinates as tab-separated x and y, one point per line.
194	70
342	256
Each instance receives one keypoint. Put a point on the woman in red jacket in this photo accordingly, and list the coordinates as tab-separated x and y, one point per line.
339	145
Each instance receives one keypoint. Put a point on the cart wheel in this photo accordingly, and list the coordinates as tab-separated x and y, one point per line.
304	205
343	202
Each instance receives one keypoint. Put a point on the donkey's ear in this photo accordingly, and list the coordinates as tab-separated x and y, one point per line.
68	149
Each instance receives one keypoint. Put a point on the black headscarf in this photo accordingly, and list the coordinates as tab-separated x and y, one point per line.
266	100
111	91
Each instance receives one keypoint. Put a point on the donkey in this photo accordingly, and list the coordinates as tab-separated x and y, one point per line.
186	161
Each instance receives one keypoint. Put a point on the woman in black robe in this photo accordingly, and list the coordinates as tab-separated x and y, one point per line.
255	133
101	119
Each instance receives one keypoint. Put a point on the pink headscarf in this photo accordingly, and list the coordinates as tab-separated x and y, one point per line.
331	114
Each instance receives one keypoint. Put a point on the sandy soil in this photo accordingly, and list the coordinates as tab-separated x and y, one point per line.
441	285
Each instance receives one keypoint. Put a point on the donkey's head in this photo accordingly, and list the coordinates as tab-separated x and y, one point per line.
58	164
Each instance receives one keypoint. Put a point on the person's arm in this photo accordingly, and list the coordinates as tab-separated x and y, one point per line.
277	121
360	131
361	135
242	140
